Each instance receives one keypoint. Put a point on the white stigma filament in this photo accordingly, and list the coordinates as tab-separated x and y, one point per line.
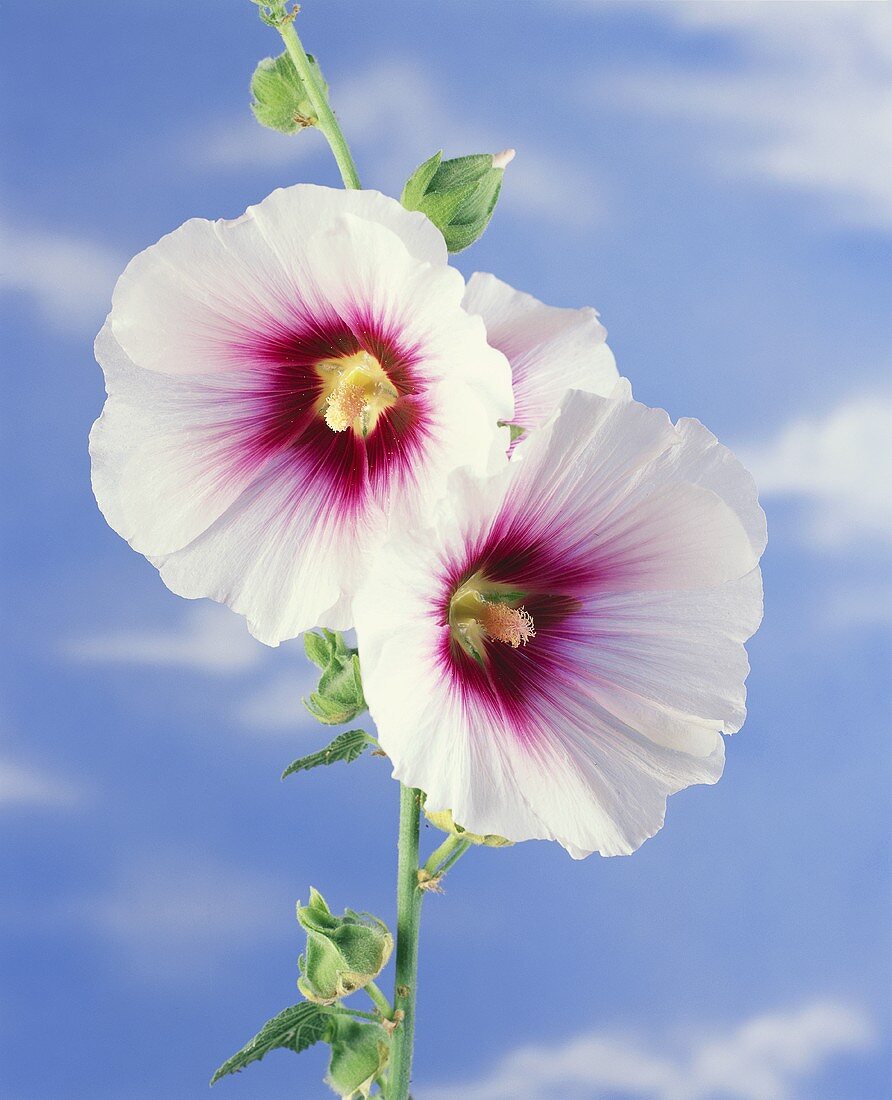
511	625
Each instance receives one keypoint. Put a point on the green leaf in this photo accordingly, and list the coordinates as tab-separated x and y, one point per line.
295	1028
346	746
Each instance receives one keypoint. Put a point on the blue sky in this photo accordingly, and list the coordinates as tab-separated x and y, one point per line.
715	180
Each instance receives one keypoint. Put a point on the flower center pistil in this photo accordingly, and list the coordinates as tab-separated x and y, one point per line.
356	391
478	612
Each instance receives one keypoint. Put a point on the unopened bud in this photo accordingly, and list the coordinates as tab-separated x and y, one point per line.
359	1053
280	99
343	953
457	195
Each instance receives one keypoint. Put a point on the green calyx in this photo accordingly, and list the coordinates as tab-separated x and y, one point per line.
343	953
459	195
338	697
359	1054
280	99
444	820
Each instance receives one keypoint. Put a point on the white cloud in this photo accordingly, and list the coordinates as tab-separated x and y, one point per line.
765	1058
841	463
276	707
394	118
69	278
807	107
859	607
23	786
173	913
209	638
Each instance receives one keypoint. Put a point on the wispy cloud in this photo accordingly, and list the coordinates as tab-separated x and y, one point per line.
22	786
840	463
806	106
208	638
69	278
395	117
765	1058
173	913
276	707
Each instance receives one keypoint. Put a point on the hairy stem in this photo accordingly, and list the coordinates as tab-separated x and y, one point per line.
379	1000
326	120
454	856
408	910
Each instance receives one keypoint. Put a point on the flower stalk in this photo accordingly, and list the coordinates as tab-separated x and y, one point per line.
283	21
408	907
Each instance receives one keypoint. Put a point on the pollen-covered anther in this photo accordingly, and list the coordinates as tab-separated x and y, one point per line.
355	392
345	404
512	625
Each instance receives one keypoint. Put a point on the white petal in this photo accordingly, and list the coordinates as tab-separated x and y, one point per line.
550	350
281	555
184	305
168	451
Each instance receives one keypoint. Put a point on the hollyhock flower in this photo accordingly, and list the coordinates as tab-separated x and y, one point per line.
565	649
275	383
550	350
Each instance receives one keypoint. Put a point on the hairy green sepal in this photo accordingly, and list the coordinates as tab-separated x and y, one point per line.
343	953
458	195
359	1054
279	96
338	697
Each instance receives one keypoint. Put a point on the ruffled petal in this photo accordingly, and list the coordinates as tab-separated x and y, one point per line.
550	350
281	555
170	453
193	302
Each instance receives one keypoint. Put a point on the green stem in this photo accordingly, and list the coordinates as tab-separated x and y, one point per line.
408	915
442	853
326	120
454	856
345	1010
379	1000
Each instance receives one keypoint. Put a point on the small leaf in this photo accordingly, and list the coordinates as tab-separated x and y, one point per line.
295	1028
346	746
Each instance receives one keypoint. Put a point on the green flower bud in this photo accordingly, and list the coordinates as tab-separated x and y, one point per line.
359	1053
343	953
458	195
338	697
280	99
444	820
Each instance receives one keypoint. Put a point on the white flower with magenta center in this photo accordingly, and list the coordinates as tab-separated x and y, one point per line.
276	385
565	650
